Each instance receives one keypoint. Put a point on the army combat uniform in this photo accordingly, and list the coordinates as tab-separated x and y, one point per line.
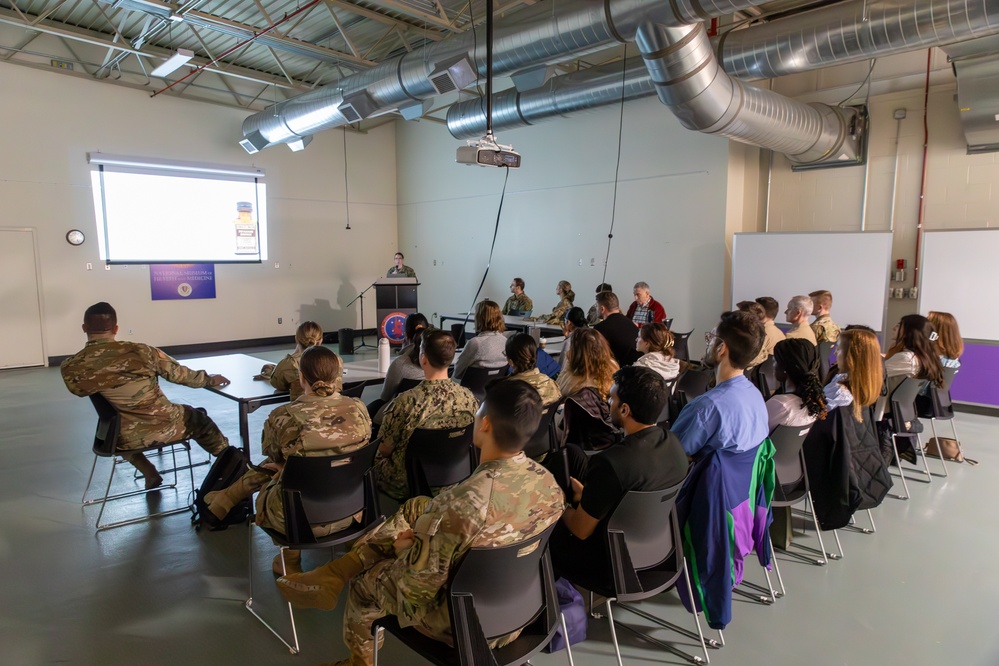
558	312
310	426
127	375
285	375
825	329
405	271
543	384
519	303
504	502
434	404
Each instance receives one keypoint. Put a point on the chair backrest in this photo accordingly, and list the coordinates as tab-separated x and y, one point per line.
693	383
507	584
680	351
475	379
788	462
405	385
437	458
353	391
520	313
645	517
323	489
903	402
544	437
765	377
943	406
669	322
825	351
108	426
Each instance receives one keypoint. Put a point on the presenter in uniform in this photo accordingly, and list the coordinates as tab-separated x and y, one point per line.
399	269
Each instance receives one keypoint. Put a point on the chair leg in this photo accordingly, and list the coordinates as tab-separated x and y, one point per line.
839	547
922	454
721	638
780	579
293	646
89	481
943	461
380	636
565	633
107	491
610	621
901	473
953	426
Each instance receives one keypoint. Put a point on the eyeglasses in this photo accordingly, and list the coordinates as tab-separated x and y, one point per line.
709	336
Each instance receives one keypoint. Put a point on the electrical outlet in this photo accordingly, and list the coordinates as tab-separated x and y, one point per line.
580	261
435	262
280	320
107	267
90	266
277	264
593	261
130	331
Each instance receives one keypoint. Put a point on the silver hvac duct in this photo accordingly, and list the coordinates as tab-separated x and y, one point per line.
853	31
539	35
690	81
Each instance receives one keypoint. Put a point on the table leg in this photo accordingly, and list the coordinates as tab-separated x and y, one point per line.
244	427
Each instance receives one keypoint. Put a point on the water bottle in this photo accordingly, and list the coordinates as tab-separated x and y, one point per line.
383	355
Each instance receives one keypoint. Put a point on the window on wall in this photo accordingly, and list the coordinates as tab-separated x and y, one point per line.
153	211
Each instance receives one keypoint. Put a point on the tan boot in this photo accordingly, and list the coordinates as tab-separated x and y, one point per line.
220	502
146	468
292	562
320	587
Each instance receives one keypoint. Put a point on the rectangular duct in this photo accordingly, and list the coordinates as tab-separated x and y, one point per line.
357	107
454	74
978	93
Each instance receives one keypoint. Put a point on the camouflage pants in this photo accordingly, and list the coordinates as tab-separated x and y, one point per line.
200	427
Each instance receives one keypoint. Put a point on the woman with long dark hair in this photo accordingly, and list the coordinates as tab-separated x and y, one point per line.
803	401
913	353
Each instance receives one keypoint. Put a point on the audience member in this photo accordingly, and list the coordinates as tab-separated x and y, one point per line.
648	458
797	367
585	381
521	353
656	344
732	415
861	375
405	366
619	331
436	403
574	319
321	422
284	376
824	328
127	375
593	314
913	353
949	344
519	302
773	335
486	349
798	310
399	269
402	567
566	297
755	309
645	309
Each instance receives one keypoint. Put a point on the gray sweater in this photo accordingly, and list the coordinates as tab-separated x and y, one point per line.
485	350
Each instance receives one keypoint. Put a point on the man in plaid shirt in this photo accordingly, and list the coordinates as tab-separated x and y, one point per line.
645	309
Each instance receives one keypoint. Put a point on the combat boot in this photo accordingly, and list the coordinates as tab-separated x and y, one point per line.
292	562
220	502
147	469
320	587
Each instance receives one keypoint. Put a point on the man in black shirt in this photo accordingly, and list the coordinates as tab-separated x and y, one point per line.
648	458
619	331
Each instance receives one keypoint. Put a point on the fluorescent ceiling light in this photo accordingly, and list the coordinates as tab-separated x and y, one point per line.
173	63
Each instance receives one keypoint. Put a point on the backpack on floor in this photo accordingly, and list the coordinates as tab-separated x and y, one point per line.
225	471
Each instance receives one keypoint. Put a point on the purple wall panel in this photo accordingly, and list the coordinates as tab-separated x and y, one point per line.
978	379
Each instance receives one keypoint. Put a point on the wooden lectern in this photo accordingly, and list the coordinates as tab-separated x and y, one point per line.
395	299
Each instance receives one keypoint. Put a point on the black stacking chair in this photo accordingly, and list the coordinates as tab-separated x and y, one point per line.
318	490
354	391
680	351
475	379
765	378
405	385
492	593
825	350
906	424
939	407
669	323
105	446
438	458
689	385
543	440
667	415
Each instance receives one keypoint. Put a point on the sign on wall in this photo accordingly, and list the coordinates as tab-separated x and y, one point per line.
181	281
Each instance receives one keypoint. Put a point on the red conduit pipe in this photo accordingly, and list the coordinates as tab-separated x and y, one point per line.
303	8
922	182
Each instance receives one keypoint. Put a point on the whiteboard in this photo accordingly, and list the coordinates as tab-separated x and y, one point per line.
854	266
958	270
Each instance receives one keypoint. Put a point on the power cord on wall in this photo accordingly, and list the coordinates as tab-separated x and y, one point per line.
499	213
617	167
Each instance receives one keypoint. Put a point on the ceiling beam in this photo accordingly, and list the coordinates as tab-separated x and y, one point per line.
386	20
432	19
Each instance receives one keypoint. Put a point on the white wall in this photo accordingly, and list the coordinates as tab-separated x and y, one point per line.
52	121
669	229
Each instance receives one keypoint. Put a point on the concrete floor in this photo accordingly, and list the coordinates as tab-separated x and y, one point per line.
917	592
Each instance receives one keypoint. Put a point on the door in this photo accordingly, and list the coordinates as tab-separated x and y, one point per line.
21	323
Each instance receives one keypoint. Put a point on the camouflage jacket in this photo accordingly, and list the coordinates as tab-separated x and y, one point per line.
558	312
405	271
285	375
433	404
825	329
518	302
127	375
316	426
543	384
503	502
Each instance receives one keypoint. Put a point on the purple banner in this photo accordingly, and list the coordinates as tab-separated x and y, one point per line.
182	281
976	380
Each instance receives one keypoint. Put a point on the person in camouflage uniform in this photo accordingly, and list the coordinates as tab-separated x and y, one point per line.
127	375
522	355
402	567
321	422
519	302
564	291
825	329
399	269
435	403
285	374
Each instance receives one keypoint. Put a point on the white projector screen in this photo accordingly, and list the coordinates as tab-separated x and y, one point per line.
958	270
854	266
178	213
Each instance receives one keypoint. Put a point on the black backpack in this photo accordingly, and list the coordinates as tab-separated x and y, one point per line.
225	471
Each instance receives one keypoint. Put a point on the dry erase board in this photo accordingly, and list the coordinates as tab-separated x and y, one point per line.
854	266
959	271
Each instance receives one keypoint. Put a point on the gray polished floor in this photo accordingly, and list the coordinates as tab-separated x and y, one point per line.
922	590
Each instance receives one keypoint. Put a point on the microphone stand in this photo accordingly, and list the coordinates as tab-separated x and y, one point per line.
360	297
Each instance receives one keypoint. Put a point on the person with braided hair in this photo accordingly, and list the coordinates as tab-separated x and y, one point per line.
284	376
803	400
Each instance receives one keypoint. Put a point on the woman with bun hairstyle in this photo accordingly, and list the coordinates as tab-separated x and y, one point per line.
285	374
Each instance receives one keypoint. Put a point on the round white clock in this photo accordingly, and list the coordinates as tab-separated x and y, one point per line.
75	237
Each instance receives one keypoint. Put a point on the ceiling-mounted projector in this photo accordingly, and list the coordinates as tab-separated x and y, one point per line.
487	152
